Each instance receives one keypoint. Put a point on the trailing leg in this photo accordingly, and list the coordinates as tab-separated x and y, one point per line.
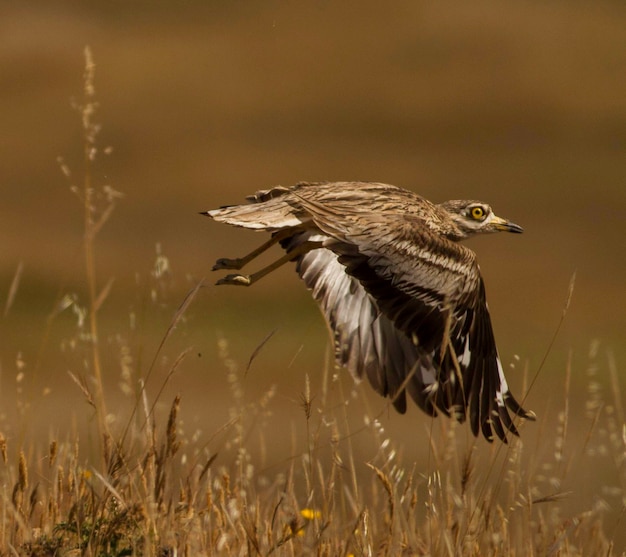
240	262
247	280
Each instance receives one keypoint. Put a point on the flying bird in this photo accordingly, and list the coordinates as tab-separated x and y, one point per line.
404	300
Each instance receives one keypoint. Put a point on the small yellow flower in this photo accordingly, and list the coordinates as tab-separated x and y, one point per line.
310	514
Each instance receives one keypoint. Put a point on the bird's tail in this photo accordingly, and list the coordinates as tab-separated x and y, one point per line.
265	210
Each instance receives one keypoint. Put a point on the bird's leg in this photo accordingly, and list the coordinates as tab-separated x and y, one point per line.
247	280
239	262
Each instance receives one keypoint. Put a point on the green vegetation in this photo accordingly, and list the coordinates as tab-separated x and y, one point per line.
134	481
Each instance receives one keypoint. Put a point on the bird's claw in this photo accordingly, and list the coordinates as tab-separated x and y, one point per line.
236	280
225	263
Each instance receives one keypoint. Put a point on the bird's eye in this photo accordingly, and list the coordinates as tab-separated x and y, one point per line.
477	213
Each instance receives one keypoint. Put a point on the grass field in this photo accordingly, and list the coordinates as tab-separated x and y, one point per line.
146	485
146	412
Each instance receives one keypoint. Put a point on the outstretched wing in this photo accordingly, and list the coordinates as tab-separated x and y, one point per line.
366	342
410	312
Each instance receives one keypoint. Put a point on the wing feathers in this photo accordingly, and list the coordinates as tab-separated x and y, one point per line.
467	373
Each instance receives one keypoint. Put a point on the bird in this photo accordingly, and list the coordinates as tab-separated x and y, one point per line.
404	301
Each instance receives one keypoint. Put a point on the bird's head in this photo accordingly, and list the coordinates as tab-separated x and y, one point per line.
476	217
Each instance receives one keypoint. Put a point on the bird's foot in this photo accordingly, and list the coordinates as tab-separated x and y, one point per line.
225	263
236	280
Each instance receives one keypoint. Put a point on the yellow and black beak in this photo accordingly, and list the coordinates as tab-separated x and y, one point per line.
505	225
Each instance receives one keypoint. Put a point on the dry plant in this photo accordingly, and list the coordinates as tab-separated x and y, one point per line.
150	489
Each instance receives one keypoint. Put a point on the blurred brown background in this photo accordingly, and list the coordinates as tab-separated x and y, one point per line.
522	105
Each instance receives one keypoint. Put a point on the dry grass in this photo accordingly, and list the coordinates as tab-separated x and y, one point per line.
142	486
157	492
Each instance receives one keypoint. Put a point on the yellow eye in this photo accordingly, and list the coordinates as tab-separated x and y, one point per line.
478	213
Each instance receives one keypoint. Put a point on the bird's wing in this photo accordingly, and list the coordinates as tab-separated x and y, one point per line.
429	293
472	350
366	342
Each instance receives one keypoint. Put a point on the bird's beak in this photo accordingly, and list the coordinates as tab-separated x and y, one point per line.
506	226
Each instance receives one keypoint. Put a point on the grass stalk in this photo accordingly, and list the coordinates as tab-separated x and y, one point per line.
90	130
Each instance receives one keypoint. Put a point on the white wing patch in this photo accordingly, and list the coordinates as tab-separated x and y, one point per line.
504	388
466	357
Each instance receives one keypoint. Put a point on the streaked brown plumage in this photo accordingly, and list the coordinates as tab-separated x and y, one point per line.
404	300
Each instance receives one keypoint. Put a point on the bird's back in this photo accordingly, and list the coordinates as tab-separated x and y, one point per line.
279	207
